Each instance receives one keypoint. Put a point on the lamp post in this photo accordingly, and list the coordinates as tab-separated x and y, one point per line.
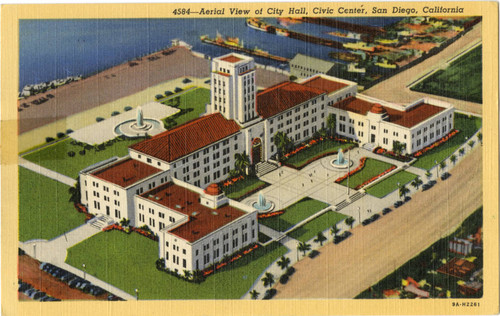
399	188
297	252
136	294
359	214
34	250
84	270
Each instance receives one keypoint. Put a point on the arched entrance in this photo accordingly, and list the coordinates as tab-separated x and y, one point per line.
257	151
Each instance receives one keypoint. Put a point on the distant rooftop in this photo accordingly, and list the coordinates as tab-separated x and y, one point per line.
126	172
410	118
202	220
231	59
312	62
283	96
324	84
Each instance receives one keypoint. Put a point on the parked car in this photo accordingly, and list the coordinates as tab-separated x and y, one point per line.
386	211
366	222
407	198
313	254
341	237
398	204
445	176
374	217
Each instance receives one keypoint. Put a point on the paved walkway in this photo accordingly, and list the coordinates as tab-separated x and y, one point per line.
46	172
395	89
54	251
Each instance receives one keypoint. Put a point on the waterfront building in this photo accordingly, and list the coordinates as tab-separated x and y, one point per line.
303	66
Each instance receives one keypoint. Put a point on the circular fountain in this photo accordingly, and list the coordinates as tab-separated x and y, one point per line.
262	205
340	162
139	126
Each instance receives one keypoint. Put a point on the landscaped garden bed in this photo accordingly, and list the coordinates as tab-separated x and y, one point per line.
241	187
315	149
391	154
294	214
390	184
368	170
192	105
108	255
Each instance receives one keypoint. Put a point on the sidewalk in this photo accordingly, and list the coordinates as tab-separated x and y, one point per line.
46	172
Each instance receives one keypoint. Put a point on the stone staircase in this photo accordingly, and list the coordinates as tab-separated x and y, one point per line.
101	221
353	198
265	167
369	146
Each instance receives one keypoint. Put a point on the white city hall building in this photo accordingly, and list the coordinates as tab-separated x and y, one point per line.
168	182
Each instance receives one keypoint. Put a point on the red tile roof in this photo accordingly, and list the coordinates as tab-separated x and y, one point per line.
323	84
202	220
187	138
410	118
231	59
283	96
126	172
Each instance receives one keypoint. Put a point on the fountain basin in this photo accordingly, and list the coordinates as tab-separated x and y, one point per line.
262	205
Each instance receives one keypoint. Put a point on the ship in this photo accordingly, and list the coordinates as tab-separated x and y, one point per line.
234	43
350	35
361	46
258	25
350	57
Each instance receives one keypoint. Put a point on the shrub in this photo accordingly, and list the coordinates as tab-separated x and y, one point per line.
186	80
49	139
158	96
99	119
60	135
284	279
127	108
115	113
71	153
177	90
69	131
168	93
82	152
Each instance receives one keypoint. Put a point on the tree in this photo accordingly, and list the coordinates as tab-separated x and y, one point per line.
320	238
124	222
442	165
268	279
303	246
349	221
453	159
398	147
428	175
282	142
198	276
461	151
403	191
331	124
292	78
416	183
284	262
480	137
334	230
75	193
241	162
254	294
471	143
187	274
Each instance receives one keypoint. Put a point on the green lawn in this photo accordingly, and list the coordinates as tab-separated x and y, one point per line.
242	187
318	224
44	210
372	168
55	157
467	127
328	146
128	262
390	184
430	260
461	80
191	104
294	214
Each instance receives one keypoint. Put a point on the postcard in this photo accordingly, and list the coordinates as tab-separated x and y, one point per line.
250	158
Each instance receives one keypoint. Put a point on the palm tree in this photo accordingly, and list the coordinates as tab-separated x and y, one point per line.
461	151
453	159
303	246
268	279
471	143
75	192
320	238
241	162
254	294
442	165
281	141
416	183
350	221
403	191
334	230
331	124
125	222
187	274
480	137
428	175
284	262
